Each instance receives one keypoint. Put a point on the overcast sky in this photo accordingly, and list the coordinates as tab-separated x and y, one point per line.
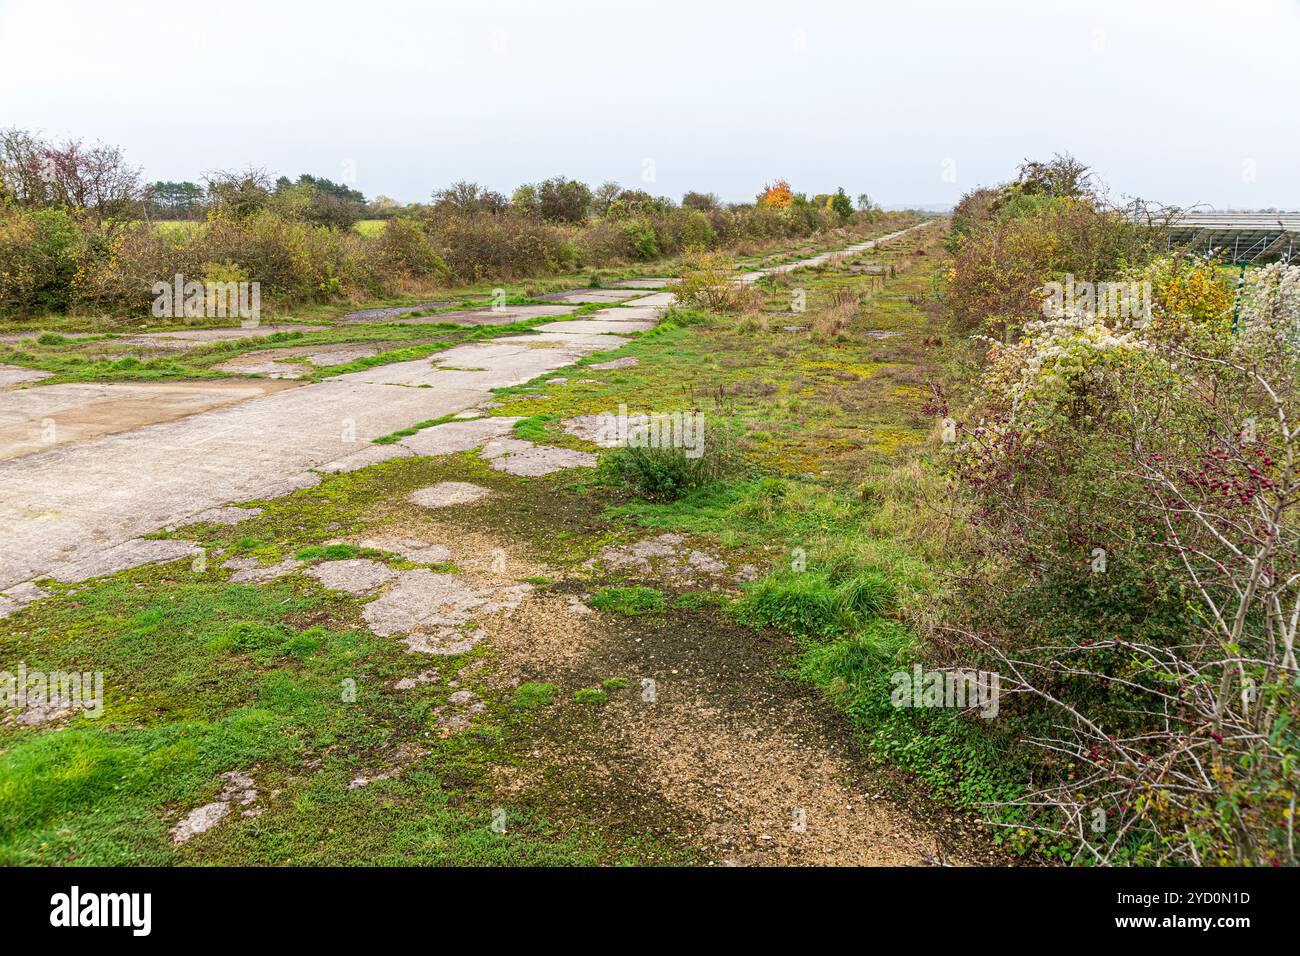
912	102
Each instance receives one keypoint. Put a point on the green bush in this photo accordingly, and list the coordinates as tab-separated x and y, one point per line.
38	258
666	474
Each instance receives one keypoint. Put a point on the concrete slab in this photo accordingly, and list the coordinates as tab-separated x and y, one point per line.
412	549
626	314
595	326
659	300
225	334
452	437
587	296
365	457
445	494
17	375
354	575
569	343
129	554
394	312
271	362
626	362
34	420
537	460
646	283
503	316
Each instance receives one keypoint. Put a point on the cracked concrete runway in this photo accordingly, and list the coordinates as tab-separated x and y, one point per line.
62	504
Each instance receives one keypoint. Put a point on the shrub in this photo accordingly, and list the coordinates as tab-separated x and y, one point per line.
1138	519
500	247
404	249
1008	247
38	258
641	240
666	474
709	281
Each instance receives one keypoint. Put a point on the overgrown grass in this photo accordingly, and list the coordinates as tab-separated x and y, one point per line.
633	600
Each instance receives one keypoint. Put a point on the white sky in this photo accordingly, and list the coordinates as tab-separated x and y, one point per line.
1184	102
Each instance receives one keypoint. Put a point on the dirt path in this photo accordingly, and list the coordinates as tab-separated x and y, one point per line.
702	747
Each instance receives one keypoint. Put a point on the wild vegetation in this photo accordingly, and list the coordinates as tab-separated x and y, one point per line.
926	460
79	231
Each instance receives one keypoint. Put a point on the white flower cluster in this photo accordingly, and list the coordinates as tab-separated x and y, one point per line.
1067	349
1270	306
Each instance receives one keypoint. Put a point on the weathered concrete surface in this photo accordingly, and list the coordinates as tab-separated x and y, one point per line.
17	375
272	361
77	499
631	313
452	437
536	461
388	314
437	612
355	575
595	326
502	316
659	300
445	494
574	343
129	554
588	296
32	420
646	283
626	362
187	338
412	549
18	597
